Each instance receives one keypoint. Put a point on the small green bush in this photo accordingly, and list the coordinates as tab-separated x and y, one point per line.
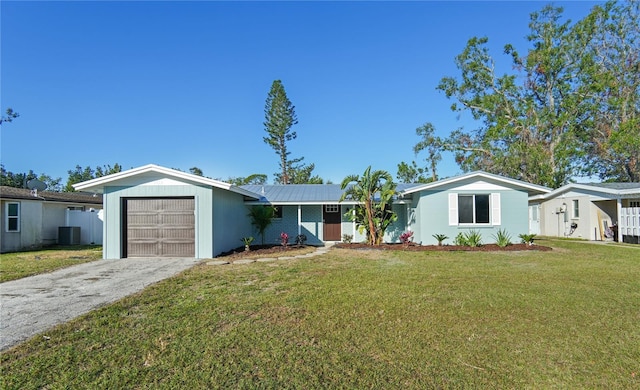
473	238
440	238
502	238
347	238
527	238
460	240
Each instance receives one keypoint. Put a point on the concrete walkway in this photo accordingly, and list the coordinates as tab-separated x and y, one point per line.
34	304
319	251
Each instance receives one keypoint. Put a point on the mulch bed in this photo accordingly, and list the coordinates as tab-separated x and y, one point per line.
445	248
279	250
260	250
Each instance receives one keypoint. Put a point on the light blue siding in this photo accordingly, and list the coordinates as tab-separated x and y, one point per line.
231	221
432	216
211	239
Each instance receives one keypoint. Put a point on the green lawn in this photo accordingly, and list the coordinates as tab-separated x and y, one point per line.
569	318
18	265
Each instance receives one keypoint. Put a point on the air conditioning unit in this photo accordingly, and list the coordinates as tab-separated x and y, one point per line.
69	235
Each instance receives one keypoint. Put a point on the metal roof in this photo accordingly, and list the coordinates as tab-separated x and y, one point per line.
303	193
616	186
66	197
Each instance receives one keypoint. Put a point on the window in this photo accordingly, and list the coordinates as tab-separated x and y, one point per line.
473	208
469	209
331	208
634	203
576	208
277	212
13	217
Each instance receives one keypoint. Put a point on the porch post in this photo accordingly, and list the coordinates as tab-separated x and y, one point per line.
299	219
618	222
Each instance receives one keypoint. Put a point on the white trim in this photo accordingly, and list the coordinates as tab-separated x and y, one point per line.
98	184
478	174
454	218
496	217
18	217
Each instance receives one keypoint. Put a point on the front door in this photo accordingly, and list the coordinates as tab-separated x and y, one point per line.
331	219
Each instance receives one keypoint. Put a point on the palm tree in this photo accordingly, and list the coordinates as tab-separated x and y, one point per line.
261	217
375	191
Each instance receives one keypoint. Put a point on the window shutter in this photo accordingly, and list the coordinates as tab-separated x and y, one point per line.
495	209
453	209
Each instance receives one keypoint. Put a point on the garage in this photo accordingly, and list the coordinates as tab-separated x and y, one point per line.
159	227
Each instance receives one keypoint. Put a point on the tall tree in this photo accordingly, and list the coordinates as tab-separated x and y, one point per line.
411	173
256	178
280	116
432	144
299	173
19	180
196	171
80	174
612	79
531	120
374	191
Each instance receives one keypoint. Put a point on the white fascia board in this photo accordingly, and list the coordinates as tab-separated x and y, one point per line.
98	184
584	187
477	174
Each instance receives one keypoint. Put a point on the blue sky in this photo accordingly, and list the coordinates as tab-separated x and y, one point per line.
183	84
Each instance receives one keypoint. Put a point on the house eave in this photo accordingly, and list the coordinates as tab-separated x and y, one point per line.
97	185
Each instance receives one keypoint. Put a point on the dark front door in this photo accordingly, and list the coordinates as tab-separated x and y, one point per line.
159	227
331	219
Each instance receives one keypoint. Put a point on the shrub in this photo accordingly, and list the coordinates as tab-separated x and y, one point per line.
440	238
460	240
301	239
247	242
527	238
406	238
502	238
347	238
473	238
284	239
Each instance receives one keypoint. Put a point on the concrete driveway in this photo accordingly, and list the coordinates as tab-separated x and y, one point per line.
32	305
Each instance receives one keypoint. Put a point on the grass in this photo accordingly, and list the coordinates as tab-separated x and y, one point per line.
361	319
18	265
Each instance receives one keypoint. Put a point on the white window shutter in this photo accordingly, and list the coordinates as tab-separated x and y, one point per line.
453	209
495	209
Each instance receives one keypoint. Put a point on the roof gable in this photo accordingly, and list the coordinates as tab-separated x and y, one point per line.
604	189
478	179
156	175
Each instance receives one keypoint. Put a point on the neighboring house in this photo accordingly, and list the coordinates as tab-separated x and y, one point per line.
590	211
32	219
153	211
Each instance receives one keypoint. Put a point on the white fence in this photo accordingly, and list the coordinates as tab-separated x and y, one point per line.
629	221
90	223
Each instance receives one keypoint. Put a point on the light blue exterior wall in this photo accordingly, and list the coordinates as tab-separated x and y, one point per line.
231	222
311	225
432	215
